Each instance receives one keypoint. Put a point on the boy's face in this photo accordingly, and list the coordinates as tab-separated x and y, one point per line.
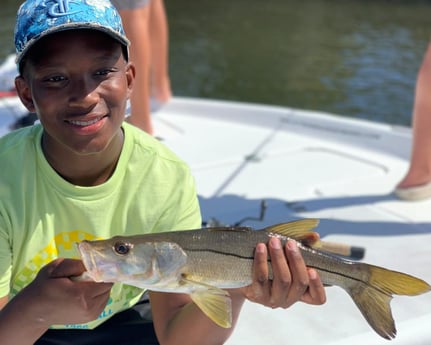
78	83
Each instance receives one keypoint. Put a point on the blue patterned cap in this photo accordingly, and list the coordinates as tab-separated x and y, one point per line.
38	18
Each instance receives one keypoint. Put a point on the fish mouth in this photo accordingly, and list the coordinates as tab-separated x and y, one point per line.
88	260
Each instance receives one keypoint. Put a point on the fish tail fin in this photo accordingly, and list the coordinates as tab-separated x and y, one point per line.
375	307
373	298
397	283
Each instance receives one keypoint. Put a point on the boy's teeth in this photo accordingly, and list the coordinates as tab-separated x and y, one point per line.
83	123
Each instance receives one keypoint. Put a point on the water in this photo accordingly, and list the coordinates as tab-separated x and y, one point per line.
355	58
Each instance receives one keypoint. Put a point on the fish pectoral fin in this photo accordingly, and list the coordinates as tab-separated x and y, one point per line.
217	306
299	230
214	302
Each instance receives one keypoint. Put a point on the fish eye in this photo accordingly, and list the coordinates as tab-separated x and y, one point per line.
122	248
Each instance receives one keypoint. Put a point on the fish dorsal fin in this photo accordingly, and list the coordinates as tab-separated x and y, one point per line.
214	302
299	230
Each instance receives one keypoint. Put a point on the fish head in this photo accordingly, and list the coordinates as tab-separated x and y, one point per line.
142	264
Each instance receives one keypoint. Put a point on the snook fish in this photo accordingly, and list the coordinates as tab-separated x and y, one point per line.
203	262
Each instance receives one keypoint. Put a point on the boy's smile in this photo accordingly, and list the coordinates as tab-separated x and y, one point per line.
78	82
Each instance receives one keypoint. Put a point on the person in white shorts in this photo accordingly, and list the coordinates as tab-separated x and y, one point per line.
146	26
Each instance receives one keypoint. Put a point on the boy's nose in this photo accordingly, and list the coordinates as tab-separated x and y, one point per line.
83	92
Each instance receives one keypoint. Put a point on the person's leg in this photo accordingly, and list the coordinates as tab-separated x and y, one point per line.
419	172
159	39
136	25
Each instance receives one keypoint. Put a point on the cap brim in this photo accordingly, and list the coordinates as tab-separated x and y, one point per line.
74	26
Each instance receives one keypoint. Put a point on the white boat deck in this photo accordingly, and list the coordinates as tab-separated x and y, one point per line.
306	165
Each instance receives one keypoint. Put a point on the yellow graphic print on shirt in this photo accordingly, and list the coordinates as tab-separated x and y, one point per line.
122	296
64	242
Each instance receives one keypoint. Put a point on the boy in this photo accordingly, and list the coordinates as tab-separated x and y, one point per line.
84	174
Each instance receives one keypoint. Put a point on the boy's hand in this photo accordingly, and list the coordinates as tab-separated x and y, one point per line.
57	299
292	281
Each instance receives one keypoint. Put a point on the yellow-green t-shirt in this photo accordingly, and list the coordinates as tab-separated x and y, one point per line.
42	216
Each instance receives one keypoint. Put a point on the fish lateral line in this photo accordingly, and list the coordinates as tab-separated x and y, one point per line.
214	251
322	269
230	229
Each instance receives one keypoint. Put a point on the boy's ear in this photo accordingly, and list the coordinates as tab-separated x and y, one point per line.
130	76
24	93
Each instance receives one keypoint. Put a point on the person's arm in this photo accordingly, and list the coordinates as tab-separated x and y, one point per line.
3	302
177	319
52	298
17	325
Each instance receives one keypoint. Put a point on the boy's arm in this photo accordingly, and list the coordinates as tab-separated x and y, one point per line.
16	327
3	302
177	320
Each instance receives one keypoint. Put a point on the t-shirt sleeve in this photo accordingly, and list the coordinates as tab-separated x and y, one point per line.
189	215
182	211
5	260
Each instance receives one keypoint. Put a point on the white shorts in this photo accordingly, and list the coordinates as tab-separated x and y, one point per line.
129	4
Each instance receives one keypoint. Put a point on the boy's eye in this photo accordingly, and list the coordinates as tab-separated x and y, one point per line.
104	72
56	78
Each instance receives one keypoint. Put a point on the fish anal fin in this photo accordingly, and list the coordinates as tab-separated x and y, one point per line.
214	302
299	230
